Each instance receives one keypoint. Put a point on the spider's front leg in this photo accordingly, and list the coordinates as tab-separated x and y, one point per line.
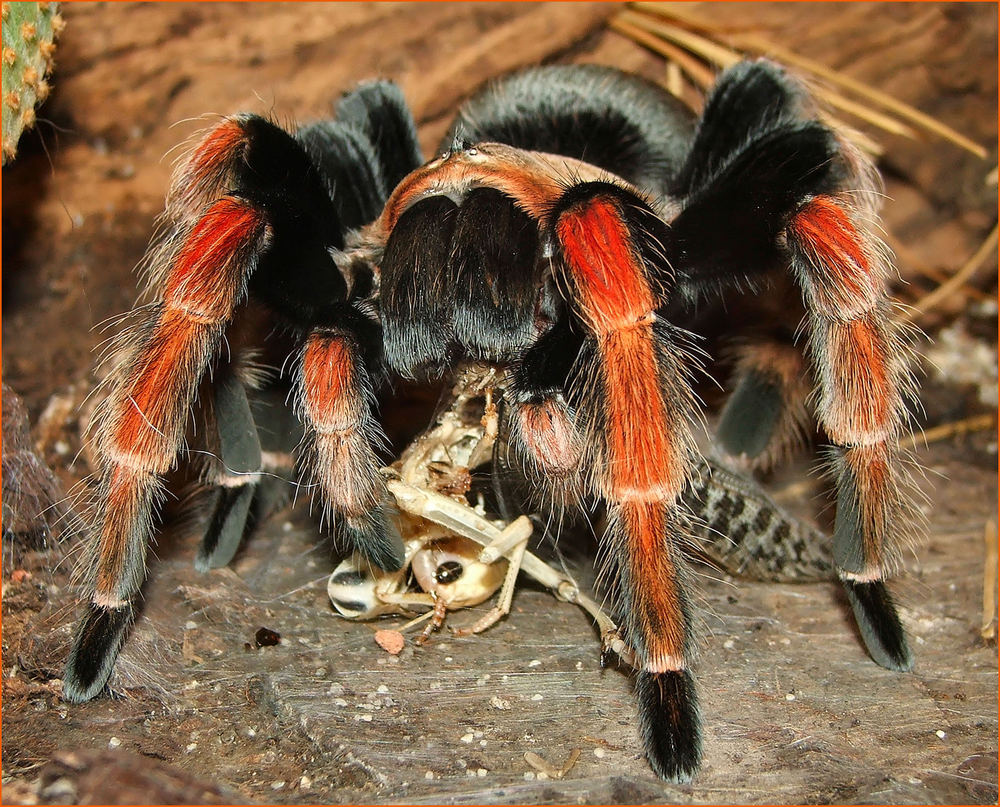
143	423
631	389
253	211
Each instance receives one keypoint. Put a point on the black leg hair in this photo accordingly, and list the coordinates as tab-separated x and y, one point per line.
548	443
365	152
881	630
751	415
415	296
729	229
494	270
748	100
98	641
670	722
350	167
765	417
378	109
280	433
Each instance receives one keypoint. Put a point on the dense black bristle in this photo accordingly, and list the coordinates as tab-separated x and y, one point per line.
670	723
226	526
494	268
749	99
730	228
351	168
546	365
378	109
848	547
415	294
239	445
98	640
240	456
879	624
374	535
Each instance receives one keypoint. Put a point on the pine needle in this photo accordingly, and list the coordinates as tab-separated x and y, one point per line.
988	629
725	57
977	423
956	281
926	122
707	49
704	77
909	259
701	75
760	45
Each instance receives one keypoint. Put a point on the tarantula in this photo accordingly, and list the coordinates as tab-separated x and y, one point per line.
563	236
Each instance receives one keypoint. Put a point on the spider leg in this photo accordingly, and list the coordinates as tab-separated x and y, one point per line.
251	202
543	426
253	472
784	188
144	422
335	399
237	479
765	416
633	390
861	360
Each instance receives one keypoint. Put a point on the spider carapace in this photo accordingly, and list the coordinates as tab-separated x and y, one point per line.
573	218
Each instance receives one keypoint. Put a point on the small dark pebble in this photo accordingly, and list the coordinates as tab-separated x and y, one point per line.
265	637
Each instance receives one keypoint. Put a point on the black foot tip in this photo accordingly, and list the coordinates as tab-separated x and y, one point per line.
878	621
670	723
95	649
376	537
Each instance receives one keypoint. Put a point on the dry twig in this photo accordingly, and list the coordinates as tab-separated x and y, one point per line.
946	430
757	44
956	281
988	630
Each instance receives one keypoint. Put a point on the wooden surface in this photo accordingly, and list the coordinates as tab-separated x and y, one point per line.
794	710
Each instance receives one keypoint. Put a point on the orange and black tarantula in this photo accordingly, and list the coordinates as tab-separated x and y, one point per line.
564	235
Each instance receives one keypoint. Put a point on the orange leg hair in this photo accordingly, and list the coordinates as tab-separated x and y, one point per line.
335	400
143	422
638	408
862	366
143	425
